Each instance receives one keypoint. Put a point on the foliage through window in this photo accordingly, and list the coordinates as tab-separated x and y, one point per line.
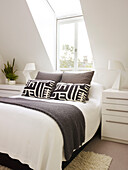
73	48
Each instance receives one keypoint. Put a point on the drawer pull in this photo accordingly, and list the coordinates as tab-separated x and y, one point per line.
116	98
110	121
9	90
117	110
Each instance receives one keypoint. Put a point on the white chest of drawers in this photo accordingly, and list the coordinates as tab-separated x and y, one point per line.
115	115
10	90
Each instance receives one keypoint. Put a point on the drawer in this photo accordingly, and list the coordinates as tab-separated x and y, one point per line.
17	87
9	93
115	110
120	97
115	127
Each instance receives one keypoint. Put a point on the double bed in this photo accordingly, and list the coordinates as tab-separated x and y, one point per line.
35	139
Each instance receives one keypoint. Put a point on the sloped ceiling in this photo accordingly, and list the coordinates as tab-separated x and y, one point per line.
106	23
19	37
45	21
65	8
107	26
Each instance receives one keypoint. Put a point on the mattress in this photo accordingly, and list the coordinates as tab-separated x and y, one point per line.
35	138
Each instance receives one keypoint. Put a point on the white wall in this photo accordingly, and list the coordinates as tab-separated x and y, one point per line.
1	65
107	26
19	37
45	20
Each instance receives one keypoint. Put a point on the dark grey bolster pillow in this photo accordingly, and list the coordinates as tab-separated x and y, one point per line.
85	77
49	76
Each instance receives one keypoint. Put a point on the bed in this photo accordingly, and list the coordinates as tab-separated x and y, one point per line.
35	139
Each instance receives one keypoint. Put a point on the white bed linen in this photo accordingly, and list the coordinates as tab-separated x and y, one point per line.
35	139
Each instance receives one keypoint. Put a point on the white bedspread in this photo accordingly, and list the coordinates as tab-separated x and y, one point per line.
35	139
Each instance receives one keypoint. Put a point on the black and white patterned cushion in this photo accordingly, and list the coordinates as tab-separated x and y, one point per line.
39	88
69	91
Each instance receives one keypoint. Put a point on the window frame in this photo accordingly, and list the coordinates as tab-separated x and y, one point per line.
67	20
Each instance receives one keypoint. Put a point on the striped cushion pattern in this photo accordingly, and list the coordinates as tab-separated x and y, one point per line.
39	88
69	91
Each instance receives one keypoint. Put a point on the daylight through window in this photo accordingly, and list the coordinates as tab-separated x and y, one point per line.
73	48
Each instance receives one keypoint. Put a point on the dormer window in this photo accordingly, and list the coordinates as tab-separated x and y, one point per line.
73	47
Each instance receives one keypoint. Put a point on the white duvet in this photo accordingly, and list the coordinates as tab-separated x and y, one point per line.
35	139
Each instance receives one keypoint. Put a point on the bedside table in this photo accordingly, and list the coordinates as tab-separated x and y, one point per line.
10	90
115	115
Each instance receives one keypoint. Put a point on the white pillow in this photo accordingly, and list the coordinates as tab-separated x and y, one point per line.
96	91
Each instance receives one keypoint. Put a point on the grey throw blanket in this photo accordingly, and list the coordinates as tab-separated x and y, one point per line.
69	118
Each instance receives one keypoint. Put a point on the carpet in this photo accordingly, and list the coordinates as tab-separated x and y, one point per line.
90	161
86	161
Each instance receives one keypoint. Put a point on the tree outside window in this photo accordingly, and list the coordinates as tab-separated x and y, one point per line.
74	52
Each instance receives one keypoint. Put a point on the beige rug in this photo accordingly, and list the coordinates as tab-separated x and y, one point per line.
90	161
86	161
4	168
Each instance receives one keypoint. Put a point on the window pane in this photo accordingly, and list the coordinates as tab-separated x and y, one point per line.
84	50
66	45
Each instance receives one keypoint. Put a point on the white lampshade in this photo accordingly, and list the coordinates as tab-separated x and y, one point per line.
29	67
115	65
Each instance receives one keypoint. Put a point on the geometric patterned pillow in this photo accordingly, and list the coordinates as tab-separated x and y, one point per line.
39	88
69	91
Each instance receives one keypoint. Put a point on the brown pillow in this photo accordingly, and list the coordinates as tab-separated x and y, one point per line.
49	76
85	77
